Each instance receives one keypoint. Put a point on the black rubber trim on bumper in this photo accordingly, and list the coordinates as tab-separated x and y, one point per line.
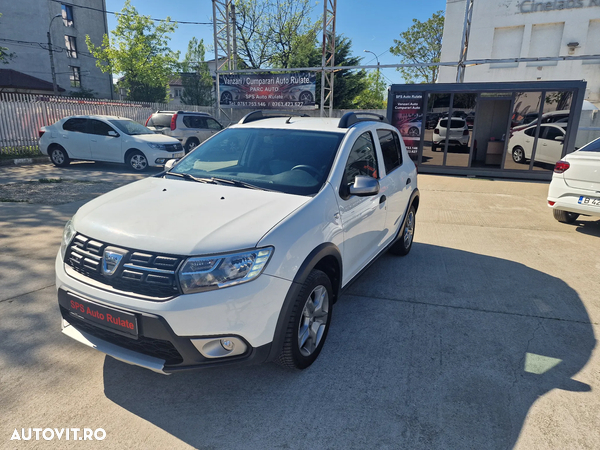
154	327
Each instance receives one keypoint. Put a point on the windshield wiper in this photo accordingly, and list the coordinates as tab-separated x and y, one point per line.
236	183
187	176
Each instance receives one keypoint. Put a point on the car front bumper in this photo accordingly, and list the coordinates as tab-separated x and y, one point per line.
171	333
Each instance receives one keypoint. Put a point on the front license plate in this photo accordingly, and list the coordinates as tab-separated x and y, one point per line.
177	155
113	319
590	201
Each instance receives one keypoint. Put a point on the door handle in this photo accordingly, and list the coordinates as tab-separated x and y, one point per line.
382	199
408	181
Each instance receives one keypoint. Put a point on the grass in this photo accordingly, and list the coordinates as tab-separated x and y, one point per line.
11	200
27	151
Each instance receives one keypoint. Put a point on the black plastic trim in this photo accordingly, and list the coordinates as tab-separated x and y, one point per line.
350	118
258	115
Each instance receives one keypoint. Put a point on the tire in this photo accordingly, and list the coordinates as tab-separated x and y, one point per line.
137	161
404	243
306	98
434	147
518	155
190	144
565	216
226	98
413	132
307	330
59	156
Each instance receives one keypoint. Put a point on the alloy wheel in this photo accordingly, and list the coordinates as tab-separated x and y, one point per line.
313	321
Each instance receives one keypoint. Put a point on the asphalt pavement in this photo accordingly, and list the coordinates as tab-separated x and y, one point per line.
484	336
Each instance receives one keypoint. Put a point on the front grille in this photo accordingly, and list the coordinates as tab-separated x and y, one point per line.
142	273
148	346
173	147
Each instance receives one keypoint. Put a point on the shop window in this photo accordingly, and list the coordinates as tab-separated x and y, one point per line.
75	76
438	106
592	44
545	42
67	15
507	44
522	142
71	45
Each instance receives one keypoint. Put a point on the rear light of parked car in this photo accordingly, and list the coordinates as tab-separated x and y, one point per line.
436	131
148	120
551	203
174	121
561	167
465	132
41	132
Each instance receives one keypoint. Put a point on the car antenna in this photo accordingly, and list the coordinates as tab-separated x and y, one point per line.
289	118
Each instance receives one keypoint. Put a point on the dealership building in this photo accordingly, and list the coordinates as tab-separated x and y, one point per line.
525	29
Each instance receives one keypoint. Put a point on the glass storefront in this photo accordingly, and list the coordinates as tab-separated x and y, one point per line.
487	127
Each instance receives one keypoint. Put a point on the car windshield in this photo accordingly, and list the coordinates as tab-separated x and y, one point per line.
291	161
593	146
130	127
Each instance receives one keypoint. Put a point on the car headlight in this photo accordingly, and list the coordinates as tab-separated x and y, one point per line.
215	272
67	237
157	146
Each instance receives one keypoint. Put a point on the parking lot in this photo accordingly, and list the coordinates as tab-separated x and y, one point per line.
484	336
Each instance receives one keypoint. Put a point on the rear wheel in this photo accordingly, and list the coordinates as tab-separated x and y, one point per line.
565	216
404	243
191	144
308	323
137	161
59	156
518	155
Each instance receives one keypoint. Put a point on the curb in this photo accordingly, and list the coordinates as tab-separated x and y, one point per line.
23	161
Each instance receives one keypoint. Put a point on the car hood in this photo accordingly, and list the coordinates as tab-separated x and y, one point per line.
184	217
155	138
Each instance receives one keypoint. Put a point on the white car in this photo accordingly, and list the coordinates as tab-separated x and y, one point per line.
411	128
575	186
457	133
549	147
107	138
238	252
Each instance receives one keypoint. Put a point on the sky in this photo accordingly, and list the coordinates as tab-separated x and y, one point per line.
371	25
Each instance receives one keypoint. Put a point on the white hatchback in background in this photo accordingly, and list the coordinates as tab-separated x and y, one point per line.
575	186
549	147
107	138
457	134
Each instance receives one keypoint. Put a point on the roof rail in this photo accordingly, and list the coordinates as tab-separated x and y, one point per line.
258	115
350	118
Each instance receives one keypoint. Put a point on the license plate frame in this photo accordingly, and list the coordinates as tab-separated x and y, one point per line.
589	201
111	319
178	155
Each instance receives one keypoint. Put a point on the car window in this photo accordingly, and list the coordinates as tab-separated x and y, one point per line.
593	146
454	123
77	125
130	127
212	124
530	131
160	120
362	160
100	128
552	133
194	121
391	150
291	161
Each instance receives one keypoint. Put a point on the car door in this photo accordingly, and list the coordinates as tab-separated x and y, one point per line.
75	139
213	126
525	139
395	184
362	218
104	147
550	146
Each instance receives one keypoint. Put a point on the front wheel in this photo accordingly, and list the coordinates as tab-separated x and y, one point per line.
308	323
404	243
565	216
137	161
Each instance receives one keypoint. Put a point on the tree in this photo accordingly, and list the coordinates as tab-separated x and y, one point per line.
139	52
267	30
421	43
373	96
5	55
196	79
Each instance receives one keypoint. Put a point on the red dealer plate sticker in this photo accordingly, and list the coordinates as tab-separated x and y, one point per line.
107	317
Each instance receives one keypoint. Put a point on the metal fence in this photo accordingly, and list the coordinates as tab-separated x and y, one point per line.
22	115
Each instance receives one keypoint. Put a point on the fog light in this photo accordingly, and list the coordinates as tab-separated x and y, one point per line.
227	344
161	160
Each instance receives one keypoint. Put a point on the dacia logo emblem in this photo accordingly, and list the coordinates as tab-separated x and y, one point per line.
111	259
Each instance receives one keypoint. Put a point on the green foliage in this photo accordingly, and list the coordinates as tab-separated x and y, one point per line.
375	93
196	79
139	52
267	30
421	43
5	55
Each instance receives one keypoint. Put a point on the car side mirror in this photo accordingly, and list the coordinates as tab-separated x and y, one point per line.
170	164
560	138
113	134
364	186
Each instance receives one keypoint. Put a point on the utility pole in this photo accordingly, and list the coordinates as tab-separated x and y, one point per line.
54	86
460	69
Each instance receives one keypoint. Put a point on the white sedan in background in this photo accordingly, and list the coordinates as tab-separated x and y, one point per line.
107	138
549	147
575	186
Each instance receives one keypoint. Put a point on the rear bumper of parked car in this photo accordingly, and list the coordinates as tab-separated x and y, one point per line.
566	198
173	335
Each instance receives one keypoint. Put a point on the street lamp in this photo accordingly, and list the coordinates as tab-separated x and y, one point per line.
54	86
378	89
